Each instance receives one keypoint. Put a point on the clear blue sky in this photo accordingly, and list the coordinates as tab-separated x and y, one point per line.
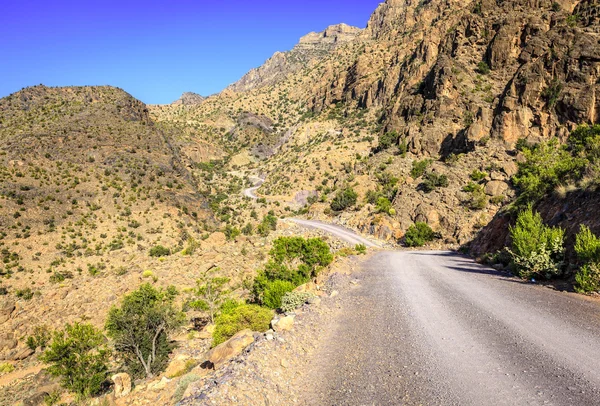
155	50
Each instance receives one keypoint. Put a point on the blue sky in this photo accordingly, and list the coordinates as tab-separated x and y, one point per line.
155	50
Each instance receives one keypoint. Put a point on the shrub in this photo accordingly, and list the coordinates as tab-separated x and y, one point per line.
433	181
159	251
39	339
344	199
477	175
360	249
240	317
419	168
141	326
383	205
77	356
546	165
537	250
587	279
274	291
211	293
6	368
418	234
25	293
293	259
231	232
388	139
293	300
483	68
587	245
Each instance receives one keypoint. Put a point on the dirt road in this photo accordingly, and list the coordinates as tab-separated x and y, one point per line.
435	328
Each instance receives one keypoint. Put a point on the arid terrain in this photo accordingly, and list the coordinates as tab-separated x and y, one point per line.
462	126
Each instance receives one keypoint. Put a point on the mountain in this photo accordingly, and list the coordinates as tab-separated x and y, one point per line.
189	98
454	83
309	49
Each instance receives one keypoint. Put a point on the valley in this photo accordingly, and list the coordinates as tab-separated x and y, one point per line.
404	213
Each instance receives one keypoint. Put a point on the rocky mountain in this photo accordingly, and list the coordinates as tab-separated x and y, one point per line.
310	48
189	98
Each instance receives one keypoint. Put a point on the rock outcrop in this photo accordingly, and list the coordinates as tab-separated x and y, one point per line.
189	98
311	47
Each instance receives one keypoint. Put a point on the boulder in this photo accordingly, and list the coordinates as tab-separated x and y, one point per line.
283	324
7	307
229	349
178	366
122	384
495	188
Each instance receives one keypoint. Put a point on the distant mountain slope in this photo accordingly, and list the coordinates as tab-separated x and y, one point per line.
310	48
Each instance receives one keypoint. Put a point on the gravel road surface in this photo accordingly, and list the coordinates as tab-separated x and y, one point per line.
435	328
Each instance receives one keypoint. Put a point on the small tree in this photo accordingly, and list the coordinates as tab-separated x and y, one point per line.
140	328
78	356
418	234
211	292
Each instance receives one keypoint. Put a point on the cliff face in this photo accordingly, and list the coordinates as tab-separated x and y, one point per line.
311	47
433	82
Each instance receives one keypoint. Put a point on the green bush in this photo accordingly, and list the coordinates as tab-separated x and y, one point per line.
387	140
546	165
240	317
587	279
293	259
483	68
39	339
383	205
360	249
477	175
418	234
537	250
159	251
78	357
140	328
293	300
433	181
587	245
419	168
274	291
344	199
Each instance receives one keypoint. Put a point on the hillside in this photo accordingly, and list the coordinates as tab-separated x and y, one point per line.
455	83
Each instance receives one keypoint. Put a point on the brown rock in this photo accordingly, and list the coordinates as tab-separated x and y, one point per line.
177	366
122	384
229	349
7	307
495	188
283	324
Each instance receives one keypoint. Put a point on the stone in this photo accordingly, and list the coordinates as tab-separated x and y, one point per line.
495	188
334	293
20	353
283	324
7	307
178	366
314	300
285	363
159	385
228	350
122	383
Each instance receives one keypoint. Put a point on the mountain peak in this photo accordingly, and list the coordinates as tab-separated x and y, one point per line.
189	98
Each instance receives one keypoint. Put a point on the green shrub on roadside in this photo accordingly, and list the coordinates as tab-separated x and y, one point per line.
239	317
360	249
293	300
6	368
383	205
274	291
587	245
418	234
78	357
537	249
587	279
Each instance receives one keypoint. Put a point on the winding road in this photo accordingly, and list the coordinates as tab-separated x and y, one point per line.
250	192
436	328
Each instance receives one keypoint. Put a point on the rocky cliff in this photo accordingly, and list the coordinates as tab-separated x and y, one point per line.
189	98
311	47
